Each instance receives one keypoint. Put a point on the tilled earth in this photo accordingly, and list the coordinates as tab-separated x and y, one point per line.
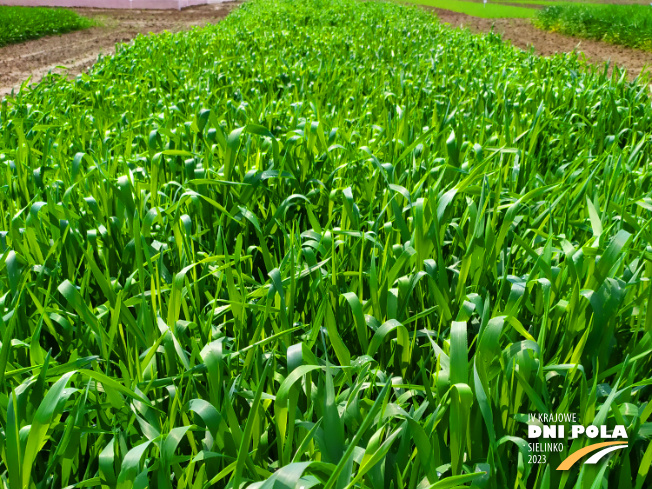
77	51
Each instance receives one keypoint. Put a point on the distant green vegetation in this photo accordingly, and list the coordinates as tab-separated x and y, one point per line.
18	24
529	2
627	25
487	11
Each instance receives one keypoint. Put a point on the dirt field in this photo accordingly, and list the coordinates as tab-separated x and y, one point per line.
523	34
79	50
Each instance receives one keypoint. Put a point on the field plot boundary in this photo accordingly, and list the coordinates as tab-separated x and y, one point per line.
117	4
79	50
523	34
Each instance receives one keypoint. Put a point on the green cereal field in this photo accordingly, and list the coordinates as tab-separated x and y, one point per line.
326	244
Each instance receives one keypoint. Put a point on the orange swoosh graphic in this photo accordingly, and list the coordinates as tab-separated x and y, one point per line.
571	459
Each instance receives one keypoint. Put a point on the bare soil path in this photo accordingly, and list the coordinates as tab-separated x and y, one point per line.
77	51
522	34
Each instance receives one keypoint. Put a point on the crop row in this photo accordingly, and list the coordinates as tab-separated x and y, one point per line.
18	24
325	243
627	25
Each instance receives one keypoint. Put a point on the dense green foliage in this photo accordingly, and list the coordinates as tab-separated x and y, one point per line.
323	243
18	24
628	25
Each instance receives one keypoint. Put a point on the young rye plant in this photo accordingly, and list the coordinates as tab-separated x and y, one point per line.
18	24
323	244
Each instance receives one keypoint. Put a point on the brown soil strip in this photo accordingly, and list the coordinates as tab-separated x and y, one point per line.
522	34
77	51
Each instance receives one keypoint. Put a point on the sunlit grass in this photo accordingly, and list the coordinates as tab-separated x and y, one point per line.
326	244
